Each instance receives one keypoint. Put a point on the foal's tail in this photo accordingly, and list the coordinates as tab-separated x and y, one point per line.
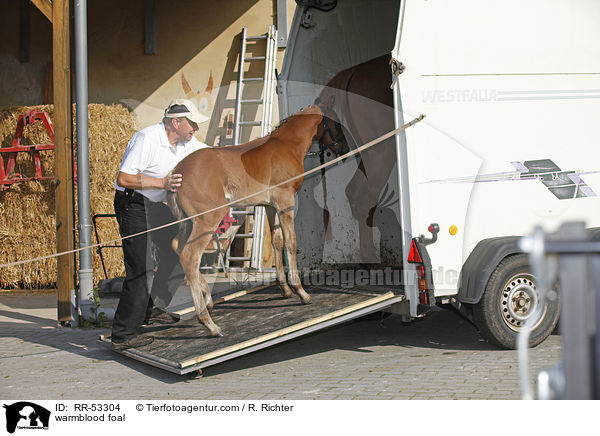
184	228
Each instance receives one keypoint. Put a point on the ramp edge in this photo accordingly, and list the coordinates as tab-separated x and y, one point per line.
148	358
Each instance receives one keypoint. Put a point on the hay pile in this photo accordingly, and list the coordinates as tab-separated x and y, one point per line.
27	211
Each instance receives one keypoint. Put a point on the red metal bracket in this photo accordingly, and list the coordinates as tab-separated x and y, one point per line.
227	222
8	176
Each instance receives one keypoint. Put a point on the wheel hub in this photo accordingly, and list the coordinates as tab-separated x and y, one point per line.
519	300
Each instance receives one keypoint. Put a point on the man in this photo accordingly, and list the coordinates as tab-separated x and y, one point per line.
145	176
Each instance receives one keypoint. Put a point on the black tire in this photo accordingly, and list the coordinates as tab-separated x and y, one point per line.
509	298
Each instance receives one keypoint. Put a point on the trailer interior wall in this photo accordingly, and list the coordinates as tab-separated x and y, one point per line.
507	87
320	45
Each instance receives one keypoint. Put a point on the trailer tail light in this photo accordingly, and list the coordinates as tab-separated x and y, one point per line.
414	256
423	296
421	275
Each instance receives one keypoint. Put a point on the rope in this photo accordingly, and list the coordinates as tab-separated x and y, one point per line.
239	200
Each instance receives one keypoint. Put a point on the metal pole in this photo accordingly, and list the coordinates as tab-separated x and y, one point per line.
537	253
86	273
265	129
595	273
238	91
574	318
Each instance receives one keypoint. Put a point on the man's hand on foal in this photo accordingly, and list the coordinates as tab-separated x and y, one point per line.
172	182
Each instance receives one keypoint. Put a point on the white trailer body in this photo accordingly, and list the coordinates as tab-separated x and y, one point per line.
511	93
500	82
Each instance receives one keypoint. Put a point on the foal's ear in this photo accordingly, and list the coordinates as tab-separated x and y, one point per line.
327	104
330	102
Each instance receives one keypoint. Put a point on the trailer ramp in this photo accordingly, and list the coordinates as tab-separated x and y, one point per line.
252	320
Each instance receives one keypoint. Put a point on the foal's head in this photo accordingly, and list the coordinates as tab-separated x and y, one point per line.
330	133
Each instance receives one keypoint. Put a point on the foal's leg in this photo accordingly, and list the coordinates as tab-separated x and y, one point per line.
277	242
190	260
286	218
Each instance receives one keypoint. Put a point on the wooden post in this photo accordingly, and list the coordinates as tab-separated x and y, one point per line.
63	152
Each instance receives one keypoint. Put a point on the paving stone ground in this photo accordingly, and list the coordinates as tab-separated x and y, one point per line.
439	357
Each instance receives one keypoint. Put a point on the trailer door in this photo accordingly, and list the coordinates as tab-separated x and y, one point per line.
322	44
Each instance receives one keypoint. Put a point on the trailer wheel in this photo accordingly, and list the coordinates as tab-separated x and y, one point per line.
510	298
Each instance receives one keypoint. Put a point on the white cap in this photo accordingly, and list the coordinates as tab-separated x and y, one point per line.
181	107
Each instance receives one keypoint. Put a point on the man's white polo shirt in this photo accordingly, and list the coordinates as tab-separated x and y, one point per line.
150	153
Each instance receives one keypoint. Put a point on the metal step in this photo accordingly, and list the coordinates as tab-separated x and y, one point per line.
254	79
212	268
242	258
242	212
252	100
255	58
255	38
244	235
249	123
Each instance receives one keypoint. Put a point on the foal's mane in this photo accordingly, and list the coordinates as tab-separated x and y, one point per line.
285	120
282	122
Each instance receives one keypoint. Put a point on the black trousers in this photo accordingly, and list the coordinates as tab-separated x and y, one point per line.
136	214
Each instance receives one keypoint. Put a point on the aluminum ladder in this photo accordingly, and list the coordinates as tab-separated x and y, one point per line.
266	125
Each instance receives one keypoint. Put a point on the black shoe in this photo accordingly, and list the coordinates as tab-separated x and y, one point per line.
135	342
158	316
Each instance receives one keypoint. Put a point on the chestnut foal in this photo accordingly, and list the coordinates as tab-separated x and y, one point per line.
213	177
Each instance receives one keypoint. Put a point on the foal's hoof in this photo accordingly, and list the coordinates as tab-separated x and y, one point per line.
286	291
216	333
306	299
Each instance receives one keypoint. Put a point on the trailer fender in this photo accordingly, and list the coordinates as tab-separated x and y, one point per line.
484	259
480	265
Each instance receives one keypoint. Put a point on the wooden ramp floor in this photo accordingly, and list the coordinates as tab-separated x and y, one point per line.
252	320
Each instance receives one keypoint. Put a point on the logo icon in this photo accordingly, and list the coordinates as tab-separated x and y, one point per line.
25	415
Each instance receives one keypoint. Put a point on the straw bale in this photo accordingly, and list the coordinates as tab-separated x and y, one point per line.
27	210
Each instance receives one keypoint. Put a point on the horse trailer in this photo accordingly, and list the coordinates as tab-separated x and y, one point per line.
509	90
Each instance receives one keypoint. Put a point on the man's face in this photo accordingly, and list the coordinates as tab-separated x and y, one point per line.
185	128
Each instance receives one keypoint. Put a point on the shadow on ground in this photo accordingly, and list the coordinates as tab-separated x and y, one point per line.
440	330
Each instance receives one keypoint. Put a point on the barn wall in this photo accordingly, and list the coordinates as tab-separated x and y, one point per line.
195	41
22	84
